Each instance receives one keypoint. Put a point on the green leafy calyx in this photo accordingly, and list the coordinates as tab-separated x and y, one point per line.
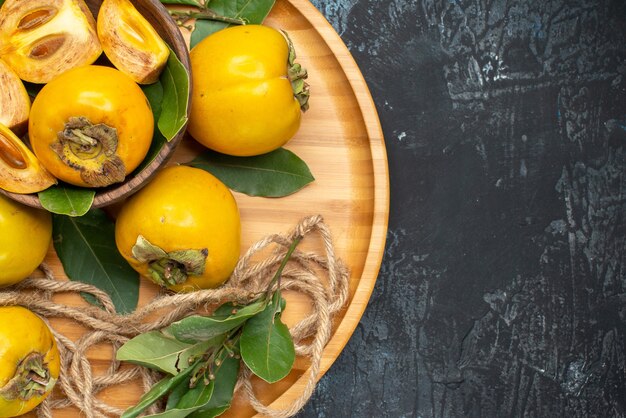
32	378
297	74
169	268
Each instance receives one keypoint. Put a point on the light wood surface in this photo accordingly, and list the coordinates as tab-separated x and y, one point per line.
341	141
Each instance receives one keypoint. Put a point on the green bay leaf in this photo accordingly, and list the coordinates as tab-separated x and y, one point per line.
32	89
204	28
192	400
86	247
158	140
275	174
266	344
198	328
68	200
176	393
225	310
251	11
223	389
157	351
154	94
158	390
175	82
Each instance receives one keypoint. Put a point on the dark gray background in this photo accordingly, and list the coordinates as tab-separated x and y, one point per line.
503	287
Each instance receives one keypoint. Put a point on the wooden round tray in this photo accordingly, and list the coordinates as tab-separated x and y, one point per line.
342	143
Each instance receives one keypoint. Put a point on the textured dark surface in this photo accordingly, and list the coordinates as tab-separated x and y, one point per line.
503	287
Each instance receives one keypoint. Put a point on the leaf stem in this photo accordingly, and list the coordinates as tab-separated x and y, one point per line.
283	263
204	14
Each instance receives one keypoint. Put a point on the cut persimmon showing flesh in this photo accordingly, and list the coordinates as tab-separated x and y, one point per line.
20	171
41	39
130	42
14	100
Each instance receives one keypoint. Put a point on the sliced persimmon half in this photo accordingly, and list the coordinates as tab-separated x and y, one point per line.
41	39
20	171
130	42
14	100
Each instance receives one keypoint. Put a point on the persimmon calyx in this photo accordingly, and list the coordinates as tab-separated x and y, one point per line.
297	74
169	268
32	378
90	149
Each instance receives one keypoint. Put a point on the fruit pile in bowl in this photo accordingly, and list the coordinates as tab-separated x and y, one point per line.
86	93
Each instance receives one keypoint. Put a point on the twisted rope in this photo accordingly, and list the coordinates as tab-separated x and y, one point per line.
322	278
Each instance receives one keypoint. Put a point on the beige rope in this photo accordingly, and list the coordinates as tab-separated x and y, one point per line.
321	277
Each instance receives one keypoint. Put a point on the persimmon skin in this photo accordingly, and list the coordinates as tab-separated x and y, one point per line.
24	334
102	95
24	241
183	208
242	101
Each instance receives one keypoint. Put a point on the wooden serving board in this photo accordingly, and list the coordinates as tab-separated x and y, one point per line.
342	143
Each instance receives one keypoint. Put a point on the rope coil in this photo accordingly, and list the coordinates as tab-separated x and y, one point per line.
322	278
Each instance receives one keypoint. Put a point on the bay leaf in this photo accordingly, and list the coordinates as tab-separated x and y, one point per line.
204	28
225	310
210	413
154	94
175	82
275	174
157	351
192	400
158	140
158	390
86	247
197	328
223	389
68	200
32	89
176	393
252	11
266	344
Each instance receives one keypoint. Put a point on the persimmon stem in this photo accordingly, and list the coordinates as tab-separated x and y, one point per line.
81	139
